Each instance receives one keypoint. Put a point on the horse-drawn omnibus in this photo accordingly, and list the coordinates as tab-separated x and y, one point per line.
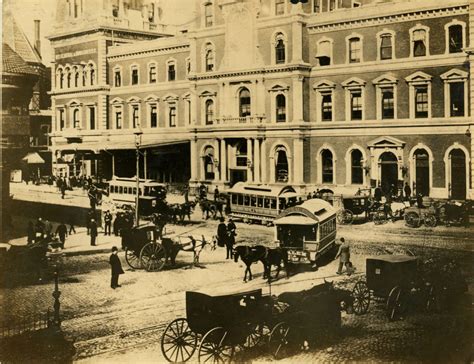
124	191
307	230
260	202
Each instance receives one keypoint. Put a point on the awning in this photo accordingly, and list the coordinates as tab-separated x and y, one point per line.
99	146
295	220
33	158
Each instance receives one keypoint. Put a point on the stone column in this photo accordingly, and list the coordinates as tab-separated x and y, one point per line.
471	101
254	97
101	72
297	81
298	161
263	161
194	104
217	174
194	156
249	158
297	42
102	114
256	167
223	161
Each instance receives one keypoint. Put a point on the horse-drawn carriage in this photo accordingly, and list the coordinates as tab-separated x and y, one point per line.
145	248
400	281
434	213
219	327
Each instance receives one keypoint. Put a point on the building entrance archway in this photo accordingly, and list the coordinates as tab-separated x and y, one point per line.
458	174
422	172
388	171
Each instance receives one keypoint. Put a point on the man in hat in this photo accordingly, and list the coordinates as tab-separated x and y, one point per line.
108	223
93	231
116	268
61	230
222	234
344	256
230	241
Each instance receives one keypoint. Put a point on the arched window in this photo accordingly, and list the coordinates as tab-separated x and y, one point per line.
68	77
281	165
357	176
75	118
209	112
244	103
117	78
280	49
455	35
92	74
208	160
61	79
280	108
327	166
209	59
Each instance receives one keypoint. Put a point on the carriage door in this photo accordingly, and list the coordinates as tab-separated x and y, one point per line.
458	174
422	172
389	171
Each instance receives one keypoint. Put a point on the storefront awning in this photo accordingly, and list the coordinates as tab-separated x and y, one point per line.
33	158
100	146
295	220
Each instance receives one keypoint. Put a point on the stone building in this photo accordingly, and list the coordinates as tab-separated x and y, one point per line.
335	94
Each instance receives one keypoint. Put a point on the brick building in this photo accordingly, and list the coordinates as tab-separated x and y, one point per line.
333	94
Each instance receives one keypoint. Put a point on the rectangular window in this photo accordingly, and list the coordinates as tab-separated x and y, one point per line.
208	15
61	119
456	97
386	46
117	79
316	6
455	39
171	72
152	74
135	116
118	120
92	118
388	106
332	5
153	116
419	43
356	105
172	116
354	50
279	7
326	107
421	102
135	76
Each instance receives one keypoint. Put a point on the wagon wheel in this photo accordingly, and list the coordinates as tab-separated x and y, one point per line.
412	219
214	347
132	259
361	294
344	217
379	217
430	220
178	342
395	304
257	337
278	341
153	257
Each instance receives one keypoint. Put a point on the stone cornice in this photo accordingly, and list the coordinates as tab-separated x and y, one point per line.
82	91
257	71
147	50
118	32
382	15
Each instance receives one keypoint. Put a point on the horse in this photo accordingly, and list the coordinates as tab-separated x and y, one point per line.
213	207
266	256
186	209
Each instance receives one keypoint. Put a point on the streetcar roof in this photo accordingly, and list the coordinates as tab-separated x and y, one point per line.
263	190
315	209
122	181
295	220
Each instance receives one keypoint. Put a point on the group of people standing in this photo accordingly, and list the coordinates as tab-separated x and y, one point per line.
43	230
226	236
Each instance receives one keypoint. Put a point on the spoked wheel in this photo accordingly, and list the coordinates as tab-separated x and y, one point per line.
430	220
258	336
361	294
178	342
345	217
133	260
395	304
379	218
153	257
214	347
278	341
412	219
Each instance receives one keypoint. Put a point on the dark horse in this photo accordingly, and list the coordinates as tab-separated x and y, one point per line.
259	253
213	207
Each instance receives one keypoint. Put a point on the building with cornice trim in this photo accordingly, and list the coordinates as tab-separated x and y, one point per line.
337	94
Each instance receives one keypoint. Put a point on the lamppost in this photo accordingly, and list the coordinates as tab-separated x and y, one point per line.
138	138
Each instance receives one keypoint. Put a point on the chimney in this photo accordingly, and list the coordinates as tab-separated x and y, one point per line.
37	37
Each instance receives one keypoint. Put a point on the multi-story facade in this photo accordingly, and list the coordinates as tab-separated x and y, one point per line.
333	94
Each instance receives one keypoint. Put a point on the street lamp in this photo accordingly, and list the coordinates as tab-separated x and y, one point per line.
138	139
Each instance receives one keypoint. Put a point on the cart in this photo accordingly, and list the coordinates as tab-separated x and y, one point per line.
215	326
351	207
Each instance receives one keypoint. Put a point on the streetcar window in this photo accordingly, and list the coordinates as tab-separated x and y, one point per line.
282	203
140	191
147	191
120	189
253	201
240	200
246	200
259	202
134	190
234	199
266	203
273	203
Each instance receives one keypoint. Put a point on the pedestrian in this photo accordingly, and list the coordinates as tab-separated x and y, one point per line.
309	196
216	194
30	230
89	217
186	194
222	234
108	223
117	224
92	197
419	200
48	230
63	189
378	194
93	231
407	190
116	268
344	256
61	230
230	241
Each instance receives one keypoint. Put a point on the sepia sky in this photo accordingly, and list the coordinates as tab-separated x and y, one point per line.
26	11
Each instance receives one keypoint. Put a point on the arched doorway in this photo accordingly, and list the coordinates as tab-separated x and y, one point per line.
281	165
388	171
422	172
458	174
